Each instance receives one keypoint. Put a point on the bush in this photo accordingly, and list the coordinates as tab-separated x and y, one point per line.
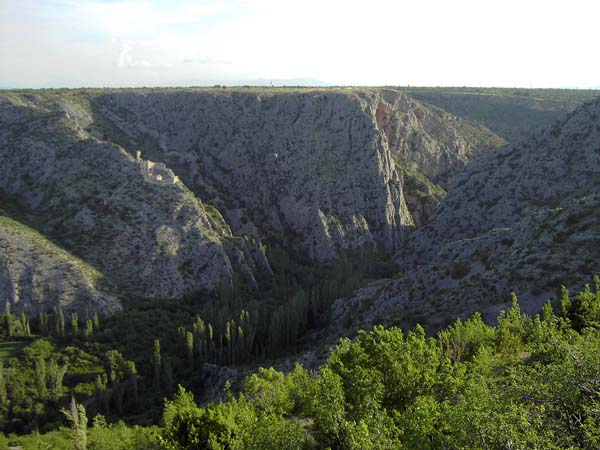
459	270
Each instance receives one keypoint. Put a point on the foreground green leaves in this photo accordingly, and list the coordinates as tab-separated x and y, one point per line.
527	383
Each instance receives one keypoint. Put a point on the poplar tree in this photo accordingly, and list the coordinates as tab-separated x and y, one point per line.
89	328
59	321
102	400
43	323
133	378
75	324
24	324
199	337
156	362
3	392
40	376
55	374
77	417
96	322
190	347
9	322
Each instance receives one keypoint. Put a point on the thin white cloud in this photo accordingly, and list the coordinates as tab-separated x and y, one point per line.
127	60
205	60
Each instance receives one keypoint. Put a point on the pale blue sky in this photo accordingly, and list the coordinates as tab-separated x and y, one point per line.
377	42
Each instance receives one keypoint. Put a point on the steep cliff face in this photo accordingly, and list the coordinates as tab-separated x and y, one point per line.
306	167
150	240
36	275
427	139
321	171
316	167
522	218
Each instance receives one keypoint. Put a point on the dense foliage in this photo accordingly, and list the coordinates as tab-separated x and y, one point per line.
524	383
124	365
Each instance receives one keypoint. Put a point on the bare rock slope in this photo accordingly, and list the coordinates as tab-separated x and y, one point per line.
554	166
523	218
318	168
149	239
222	170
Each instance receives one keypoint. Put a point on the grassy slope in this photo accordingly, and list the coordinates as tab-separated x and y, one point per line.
15	230
509	112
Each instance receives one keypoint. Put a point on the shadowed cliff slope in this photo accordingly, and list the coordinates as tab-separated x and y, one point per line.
40	274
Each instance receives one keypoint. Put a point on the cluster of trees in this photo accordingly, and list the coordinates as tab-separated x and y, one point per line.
34	386
239	327
31	387
524	383
53	324
160	345
233	346
79	435
47	324
13	326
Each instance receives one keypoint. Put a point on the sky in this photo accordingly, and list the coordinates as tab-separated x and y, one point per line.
119	43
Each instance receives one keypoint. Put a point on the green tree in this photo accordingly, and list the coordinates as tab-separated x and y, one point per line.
40	376
462	340
3	392
75	324
55	373
328	409
511	329
584	308
9	320
185	426
156	363
189	341
96	322
77	417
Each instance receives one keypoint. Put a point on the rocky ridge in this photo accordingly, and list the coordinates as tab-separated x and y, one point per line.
523	217
314	167
222	170
554	166
149	240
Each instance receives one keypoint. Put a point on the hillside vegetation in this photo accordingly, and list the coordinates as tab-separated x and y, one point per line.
237	268
528	382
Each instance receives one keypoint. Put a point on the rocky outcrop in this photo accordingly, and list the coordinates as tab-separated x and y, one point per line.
554	166
316	168
423	197
150	240
221	171
37	275
522	218
428	140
